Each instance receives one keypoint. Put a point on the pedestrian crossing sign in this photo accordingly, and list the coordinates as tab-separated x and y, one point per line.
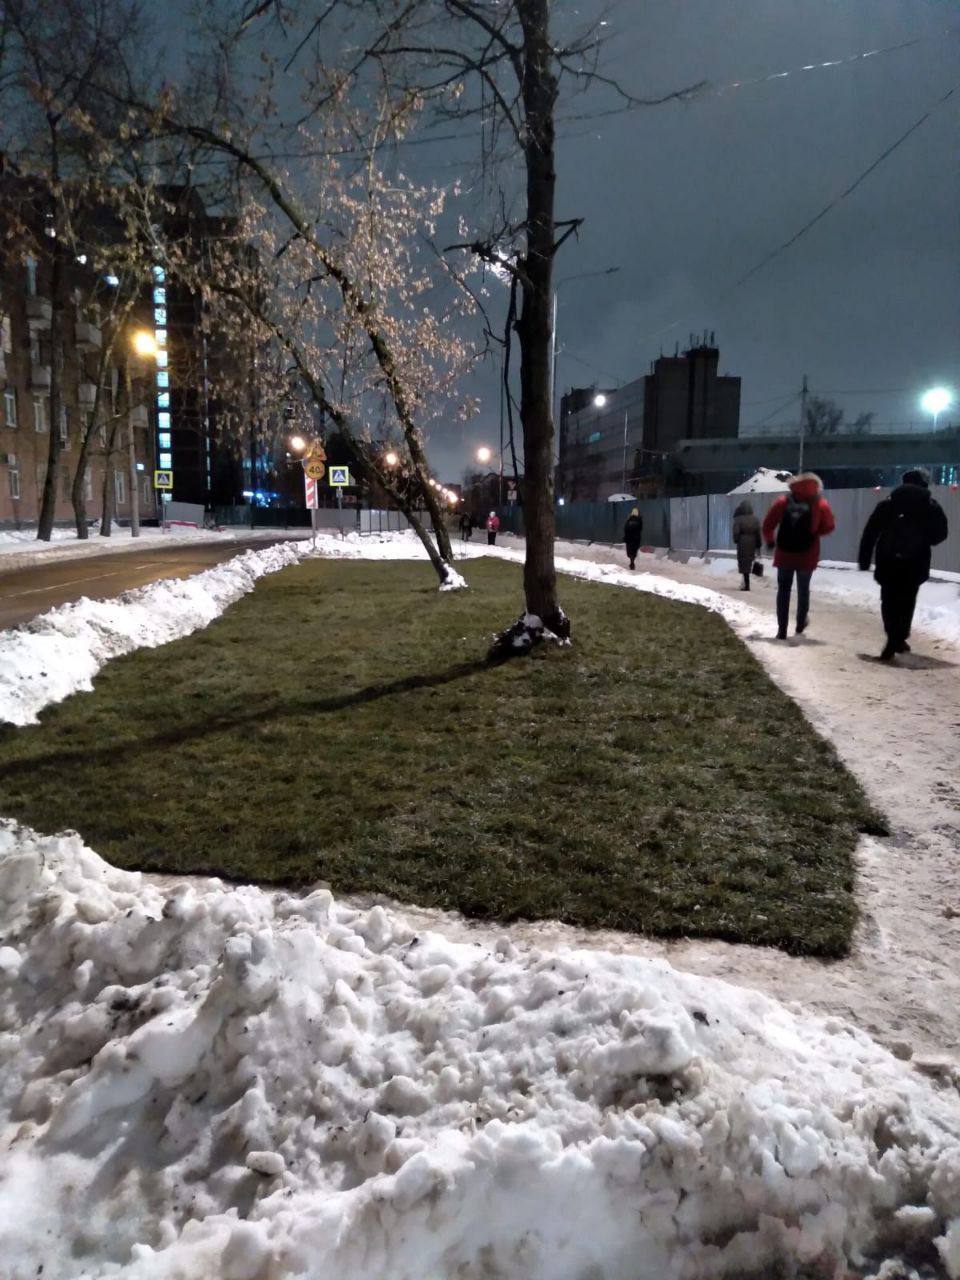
340	477
163	479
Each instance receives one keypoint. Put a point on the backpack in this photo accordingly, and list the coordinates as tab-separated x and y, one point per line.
796	527
903	541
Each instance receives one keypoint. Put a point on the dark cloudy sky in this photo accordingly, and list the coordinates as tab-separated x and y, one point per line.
685	199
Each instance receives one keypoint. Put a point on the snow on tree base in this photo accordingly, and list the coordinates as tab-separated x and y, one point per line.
452	581
199	1080
529	631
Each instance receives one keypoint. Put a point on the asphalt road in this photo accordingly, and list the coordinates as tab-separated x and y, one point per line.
26	592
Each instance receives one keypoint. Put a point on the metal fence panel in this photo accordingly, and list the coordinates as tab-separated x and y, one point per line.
947	555
690	523
380	521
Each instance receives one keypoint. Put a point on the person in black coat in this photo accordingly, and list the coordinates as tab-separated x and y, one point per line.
466	526
902	530
633	535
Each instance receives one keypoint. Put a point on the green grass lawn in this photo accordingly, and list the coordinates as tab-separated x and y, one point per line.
340	723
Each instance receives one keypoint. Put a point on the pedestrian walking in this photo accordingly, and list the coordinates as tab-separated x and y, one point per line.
466	526
792	529
493	528
633	535
747	539
902	530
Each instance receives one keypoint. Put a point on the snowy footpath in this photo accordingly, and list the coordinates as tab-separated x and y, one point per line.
199	1080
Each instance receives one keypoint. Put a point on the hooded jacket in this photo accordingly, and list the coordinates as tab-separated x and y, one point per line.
804	488
746	536
914	504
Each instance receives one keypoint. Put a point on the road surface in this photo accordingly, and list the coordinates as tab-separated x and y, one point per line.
26	592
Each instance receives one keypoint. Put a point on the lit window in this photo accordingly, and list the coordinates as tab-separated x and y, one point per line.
112	280
10	408
166	461
159	297
160	315
163	421
161	358
13	478
161	337
159	275
163	439
163	400
120	487
163	378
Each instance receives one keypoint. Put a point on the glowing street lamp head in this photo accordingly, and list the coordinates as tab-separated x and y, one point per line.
936	400
297	444
144	344
390	458
599	399
484	453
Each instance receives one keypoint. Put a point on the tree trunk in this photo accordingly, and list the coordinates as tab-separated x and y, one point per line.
106	519
48	506
78	492
534	328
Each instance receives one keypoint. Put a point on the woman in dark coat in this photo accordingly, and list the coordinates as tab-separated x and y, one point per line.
747	540
633	535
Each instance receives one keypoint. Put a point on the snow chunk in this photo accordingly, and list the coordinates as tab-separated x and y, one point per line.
202	1080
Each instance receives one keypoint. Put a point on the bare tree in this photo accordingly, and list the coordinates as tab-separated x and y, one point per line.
53	50
824	417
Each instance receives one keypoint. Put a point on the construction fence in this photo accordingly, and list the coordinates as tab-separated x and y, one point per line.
701	524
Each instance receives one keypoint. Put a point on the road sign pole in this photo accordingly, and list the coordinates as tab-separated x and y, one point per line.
340	507
313	524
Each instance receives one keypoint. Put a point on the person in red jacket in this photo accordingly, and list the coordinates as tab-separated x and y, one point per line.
493	528
794	525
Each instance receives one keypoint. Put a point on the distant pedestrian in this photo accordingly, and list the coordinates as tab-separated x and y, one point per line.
633	535
493	528
466	526
794	526
747	539
902	529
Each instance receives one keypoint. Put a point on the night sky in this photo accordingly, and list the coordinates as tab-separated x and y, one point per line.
686	198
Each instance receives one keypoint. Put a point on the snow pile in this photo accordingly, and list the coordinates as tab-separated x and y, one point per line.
61	651
765	480
201	1081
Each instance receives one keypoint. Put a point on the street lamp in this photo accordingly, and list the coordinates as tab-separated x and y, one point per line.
484	454
935	401
390	459
599	400
144	344
297	444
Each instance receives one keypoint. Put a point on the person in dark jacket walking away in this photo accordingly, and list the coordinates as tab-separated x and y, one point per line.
794	525
493	528
466	526
633	535
902	530
747	540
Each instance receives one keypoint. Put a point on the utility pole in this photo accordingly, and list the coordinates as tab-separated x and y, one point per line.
803	418
623	478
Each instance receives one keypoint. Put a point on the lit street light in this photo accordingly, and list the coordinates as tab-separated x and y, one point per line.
935	401
484	454
297	444
391	459
144	343
599	399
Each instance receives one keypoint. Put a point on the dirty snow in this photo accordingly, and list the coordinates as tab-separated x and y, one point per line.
59	652
198	1081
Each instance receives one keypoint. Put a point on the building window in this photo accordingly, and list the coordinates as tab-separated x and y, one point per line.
163	378
13	479
159	275
163	439
10	408
160	297
160	316
88	485
160	336
163	400
163	421
64	431
166	461
40	421
6	335
31	265
161	359
35	354
120	487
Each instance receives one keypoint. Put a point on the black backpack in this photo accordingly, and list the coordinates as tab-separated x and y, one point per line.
796	527
904	541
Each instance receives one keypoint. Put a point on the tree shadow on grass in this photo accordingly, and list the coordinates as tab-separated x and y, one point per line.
220	724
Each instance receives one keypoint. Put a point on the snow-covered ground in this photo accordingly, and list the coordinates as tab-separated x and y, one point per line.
198	1080
202	1081
59	652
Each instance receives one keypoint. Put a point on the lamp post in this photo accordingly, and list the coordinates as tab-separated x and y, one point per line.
145	346
935	401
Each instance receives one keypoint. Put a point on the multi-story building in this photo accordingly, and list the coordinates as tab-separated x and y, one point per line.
611	440
43	340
